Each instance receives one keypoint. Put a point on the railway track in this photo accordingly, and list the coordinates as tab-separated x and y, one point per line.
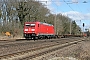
37	52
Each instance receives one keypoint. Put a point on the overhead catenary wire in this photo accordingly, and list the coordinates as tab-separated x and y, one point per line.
71	8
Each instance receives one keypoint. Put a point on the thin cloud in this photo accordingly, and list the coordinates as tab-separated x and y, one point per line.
46	2
75	1
77	15
57	2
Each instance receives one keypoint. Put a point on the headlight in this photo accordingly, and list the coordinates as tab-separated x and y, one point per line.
25	32
33	30
26	29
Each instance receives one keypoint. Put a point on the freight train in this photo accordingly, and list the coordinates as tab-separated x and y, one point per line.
38	30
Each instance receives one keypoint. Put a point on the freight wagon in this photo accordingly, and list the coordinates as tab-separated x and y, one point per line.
38	30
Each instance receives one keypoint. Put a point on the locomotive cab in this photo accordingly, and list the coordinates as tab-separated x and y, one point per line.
29	30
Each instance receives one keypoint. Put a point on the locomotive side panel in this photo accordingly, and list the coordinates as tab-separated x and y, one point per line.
46	30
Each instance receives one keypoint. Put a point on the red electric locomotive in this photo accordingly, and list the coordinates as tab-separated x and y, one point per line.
38	30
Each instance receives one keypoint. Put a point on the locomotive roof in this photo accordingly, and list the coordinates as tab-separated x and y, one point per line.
40	23
46	24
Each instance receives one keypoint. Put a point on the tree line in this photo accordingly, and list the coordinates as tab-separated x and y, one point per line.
14	13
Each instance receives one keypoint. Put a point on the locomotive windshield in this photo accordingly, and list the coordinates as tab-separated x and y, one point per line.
30	25
27	24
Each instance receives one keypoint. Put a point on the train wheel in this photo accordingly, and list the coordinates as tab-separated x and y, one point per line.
36	38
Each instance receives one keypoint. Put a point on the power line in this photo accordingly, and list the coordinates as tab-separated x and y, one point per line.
72	8
79	7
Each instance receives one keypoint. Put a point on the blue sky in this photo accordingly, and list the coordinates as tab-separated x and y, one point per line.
74	9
